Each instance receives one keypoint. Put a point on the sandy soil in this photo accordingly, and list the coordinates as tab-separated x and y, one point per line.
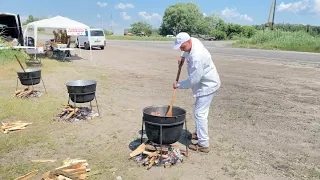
264	121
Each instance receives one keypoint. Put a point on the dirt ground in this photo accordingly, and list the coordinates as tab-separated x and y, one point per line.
263	123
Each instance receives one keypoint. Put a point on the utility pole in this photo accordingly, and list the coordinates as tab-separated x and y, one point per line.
111	21
272	12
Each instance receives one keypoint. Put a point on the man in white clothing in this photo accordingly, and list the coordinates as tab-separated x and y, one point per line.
204	81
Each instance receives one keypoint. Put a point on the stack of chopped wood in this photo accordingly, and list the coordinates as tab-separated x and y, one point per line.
72	169
151	155
75	114
13	126
26	93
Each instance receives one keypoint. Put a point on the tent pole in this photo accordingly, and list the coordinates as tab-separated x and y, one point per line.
35	31
25	35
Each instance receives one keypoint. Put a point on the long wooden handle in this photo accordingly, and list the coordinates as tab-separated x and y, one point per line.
20	63
179	71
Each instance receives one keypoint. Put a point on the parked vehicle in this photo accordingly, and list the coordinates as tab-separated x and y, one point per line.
204	37
97	38
10	28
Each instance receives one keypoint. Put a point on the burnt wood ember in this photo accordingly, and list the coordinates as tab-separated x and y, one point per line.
71	114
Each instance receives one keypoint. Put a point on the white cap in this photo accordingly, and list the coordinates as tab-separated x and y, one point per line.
180	39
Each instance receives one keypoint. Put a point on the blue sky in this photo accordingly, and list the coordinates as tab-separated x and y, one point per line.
124	12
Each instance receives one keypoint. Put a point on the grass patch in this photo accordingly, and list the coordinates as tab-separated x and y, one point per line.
138	38
10	68
36	139
18	168
7	56
281	40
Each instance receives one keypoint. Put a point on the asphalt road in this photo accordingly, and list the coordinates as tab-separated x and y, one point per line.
223	48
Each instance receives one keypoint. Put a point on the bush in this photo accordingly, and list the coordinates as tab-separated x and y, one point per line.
283	40
218	34
247	31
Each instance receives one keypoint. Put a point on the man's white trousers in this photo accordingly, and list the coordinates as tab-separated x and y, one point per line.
201	111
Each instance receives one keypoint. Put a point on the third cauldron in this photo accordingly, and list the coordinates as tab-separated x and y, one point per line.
171	126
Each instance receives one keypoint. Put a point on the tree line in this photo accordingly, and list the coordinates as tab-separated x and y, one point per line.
188	17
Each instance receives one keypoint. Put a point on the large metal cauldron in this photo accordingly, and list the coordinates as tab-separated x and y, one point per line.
81	91
171	126
30	77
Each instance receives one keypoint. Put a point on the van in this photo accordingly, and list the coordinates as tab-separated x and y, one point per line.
10	28
98	39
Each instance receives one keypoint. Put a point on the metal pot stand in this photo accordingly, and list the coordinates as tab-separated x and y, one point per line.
161	125
80	88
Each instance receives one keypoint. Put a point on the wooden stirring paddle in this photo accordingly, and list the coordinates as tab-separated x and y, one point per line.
20	63
169	113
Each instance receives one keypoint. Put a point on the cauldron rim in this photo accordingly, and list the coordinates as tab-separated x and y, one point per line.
74	83
29	70
162	106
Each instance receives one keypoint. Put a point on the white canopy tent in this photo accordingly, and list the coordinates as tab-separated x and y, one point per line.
57	22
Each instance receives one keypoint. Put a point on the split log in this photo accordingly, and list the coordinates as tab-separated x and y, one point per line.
72	113
27	176
43	160
151	162
139	150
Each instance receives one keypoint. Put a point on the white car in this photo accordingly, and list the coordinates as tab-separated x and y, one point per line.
98	39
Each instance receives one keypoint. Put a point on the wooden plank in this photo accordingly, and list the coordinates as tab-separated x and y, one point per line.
27	176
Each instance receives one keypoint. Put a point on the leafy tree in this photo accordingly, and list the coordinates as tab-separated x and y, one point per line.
32	19
141	27
213	20
107	32
185	17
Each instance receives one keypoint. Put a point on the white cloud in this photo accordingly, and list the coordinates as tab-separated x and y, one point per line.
98	16
294	7
204	14
302	6
125	16
101	4
233	13
124	6
316	6
154	17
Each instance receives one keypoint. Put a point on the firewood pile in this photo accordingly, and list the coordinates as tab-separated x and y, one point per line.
13	126
150	155
72	114
72	169
26	93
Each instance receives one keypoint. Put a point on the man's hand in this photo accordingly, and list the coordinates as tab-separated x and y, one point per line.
175	85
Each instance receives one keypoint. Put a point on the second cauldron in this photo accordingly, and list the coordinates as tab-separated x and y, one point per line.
82	91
